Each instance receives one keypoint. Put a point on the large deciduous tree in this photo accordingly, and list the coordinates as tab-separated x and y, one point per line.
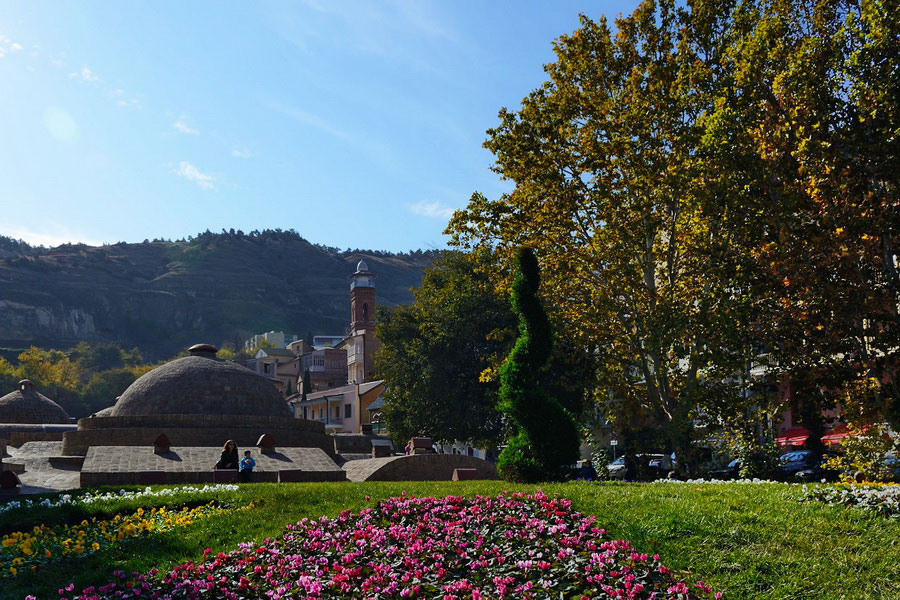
610	188
713	185
820	89
437	354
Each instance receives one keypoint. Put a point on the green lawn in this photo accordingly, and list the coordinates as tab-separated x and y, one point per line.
749	541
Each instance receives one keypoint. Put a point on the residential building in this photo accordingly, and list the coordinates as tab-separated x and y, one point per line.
329	341
275	339
327	368
279	365
343	409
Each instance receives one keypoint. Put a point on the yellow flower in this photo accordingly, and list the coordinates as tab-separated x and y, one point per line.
95	546
13	571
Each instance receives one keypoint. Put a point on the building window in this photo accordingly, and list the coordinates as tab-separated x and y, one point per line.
337	412
365	312
348	411
266	367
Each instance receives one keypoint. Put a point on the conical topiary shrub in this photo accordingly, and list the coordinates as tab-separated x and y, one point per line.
546	437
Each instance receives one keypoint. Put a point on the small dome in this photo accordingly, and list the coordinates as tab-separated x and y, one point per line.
26	405
362	266
201	385
207	350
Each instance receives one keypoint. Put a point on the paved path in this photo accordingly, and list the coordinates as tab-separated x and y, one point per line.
40	477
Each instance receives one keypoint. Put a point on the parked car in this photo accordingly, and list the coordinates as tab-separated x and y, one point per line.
892	464
660	465
805	465
616	468
652	466
730	471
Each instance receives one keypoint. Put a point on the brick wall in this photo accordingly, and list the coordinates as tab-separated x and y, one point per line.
195	430
420	467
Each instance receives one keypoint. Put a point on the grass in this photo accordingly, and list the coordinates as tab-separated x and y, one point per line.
749	541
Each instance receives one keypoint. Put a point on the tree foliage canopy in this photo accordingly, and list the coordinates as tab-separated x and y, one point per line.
433	354
714	183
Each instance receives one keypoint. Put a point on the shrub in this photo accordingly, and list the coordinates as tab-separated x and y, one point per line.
546	438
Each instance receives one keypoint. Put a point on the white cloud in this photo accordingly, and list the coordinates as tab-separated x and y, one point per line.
240	153
192	173
51	236
7	46
432	210
85	74
60	124
184	128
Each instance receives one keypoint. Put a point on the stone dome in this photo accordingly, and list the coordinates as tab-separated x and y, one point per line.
26	405
201	385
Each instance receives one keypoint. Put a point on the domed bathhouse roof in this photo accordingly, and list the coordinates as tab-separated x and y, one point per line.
26	405
200	384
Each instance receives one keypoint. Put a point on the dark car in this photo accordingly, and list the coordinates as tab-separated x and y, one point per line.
892	464
806	465
731	471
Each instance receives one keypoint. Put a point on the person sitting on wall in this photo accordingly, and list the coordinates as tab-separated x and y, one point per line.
229	458
247	464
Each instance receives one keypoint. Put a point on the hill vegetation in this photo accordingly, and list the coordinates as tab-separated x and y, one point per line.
162	295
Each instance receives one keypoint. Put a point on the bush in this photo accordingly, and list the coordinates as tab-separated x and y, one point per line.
546	440
864	451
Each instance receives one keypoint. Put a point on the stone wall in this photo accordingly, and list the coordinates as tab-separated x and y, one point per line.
197	421
117	465
355	443
17	438
17	434
195	430
419	467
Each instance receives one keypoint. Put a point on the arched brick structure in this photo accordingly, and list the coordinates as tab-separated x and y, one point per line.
418	467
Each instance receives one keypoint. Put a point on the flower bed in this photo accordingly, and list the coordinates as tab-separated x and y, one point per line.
91	498
511	546
21	550
883	499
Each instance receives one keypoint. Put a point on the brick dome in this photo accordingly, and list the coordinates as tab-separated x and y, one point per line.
201	385
26	405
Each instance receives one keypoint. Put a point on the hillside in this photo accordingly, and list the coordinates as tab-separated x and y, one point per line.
162	296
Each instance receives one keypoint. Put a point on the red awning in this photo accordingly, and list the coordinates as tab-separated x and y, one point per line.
837	434
795	436
840	432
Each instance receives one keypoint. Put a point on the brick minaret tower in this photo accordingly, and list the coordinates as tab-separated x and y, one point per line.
362	324
362	299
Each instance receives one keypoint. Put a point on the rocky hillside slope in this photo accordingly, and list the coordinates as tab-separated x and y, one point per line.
162	296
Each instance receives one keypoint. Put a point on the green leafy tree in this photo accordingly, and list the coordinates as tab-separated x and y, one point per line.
306	384
438	355
546	437
819	110
102	357
609	161
104	387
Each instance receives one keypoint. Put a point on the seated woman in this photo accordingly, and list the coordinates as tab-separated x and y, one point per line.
229	459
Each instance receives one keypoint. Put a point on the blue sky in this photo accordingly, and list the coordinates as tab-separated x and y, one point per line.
359	124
